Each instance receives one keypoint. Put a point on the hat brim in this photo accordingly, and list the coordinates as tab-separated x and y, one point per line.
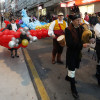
73	17
60	15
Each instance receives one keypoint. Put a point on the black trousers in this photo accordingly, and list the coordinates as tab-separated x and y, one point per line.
98	51
56	47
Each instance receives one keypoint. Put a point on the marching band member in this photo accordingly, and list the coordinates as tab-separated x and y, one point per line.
73	36
56	29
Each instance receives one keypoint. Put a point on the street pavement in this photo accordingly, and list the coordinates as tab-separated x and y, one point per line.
15	81
14	76
53	75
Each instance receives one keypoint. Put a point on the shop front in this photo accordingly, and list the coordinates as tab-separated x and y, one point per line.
89	6
53	7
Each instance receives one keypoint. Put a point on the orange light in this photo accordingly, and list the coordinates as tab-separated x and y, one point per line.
80	2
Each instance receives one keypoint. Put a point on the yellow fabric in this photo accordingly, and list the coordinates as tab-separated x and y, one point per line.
82	21
85	36
62	25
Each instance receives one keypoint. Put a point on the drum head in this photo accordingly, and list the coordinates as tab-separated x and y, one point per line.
60	38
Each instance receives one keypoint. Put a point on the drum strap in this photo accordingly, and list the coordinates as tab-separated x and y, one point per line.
60	26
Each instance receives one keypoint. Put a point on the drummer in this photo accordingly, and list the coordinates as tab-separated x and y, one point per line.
56	29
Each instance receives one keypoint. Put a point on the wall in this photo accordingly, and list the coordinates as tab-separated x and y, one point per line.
97	7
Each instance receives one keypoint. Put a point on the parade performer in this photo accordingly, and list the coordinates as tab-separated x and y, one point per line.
97	33
12	26
74	43
56	29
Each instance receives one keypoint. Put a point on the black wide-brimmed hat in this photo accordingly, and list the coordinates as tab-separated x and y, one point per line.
75	16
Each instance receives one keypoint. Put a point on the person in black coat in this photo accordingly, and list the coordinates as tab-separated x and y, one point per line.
13	26
73	35
97	33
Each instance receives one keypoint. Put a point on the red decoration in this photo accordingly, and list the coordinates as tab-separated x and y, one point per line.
17	21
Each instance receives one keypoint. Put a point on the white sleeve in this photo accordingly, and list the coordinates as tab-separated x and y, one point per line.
97	30
51	27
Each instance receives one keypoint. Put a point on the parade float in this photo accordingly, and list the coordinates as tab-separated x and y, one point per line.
28	33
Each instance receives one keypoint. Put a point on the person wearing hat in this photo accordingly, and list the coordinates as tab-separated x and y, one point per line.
13	26
73	37
56	29
97	33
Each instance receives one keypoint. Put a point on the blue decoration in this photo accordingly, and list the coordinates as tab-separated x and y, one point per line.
31	25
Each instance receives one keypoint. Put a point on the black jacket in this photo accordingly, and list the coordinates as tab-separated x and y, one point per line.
73	54
10	27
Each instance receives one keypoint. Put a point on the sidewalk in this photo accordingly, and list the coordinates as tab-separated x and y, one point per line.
14	76
15	80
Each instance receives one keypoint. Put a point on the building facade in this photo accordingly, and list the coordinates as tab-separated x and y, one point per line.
89	6
43	7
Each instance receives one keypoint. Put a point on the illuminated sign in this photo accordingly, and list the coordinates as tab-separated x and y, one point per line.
80	2
85	1
44	11
63	5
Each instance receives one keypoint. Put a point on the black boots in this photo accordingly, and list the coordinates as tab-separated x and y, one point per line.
98	74
73	87
67	78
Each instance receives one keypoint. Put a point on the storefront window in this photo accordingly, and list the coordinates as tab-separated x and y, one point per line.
88	8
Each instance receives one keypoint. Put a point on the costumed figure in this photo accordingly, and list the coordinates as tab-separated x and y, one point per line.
74	42
26	21
97	33
56	29
31	22
12	26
